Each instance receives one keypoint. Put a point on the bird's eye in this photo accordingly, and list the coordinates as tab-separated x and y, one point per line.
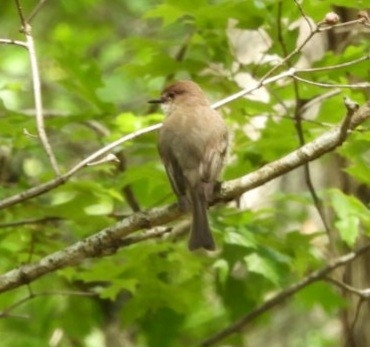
171	95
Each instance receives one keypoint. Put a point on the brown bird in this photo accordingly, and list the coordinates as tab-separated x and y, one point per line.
192	144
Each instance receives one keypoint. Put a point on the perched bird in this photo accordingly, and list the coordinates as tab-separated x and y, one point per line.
192	144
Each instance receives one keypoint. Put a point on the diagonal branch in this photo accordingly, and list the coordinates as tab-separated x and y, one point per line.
13	42
36	10
108	240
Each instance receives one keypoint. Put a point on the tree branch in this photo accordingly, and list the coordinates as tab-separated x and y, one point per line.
108	240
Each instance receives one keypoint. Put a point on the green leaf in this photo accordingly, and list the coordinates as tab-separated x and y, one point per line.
127	122
245	240
263	266
360	171
103	207
349	229
222	268
117	286
350	212
63	197
322	294
33	167
168	13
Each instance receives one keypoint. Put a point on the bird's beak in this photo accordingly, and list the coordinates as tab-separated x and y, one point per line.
161	100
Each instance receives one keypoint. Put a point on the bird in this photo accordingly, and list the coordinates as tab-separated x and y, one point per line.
192	144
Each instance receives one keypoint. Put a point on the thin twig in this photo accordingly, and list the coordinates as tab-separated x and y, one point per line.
335	67
257	86
291	54
127	190
21	16
109	147
362	293
312	121
38	104
7	310
325	27
319	99
321	27
29	221
304	15
13	42
31	248
280	29
26	28
362	85
35	10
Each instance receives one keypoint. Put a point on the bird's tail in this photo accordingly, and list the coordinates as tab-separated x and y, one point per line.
200	234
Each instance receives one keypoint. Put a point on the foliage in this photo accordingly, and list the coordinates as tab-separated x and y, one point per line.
100	62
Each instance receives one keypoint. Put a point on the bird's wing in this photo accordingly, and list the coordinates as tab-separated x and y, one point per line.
214	158
173	169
